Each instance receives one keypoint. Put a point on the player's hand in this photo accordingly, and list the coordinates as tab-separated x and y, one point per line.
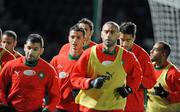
97	83
124	91
45	110
75	92
159	90
3	107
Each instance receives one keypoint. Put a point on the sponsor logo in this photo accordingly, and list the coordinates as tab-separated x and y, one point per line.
63	75
17	72
28	72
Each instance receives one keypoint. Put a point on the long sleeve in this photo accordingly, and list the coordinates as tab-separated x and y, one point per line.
5	79
54	62
173	82
133	70
148	76
53	91
79	78
148	79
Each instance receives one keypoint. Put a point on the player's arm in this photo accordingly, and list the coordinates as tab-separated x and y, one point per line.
53	62
133	70
53	91
173	82
79	78
5	79
148	79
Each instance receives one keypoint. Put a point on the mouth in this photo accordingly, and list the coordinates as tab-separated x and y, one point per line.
30	57
74	45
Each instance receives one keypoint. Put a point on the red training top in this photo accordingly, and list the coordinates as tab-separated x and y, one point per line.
28	85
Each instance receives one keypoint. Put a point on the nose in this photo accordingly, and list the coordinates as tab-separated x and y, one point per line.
31	51
74	40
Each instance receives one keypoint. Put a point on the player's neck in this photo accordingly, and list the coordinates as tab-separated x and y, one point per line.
109	49
87	42
161	64
31	63
75	53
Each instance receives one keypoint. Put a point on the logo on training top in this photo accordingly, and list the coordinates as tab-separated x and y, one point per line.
41	75
29	72
59	67
107	62
63	75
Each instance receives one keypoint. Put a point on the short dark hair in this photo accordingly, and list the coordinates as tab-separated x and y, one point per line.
165	47
10	33
77	28
88	22
128	28
35	38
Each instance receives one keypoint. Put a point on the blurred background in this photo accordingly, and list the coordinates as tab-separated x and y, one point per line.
53	18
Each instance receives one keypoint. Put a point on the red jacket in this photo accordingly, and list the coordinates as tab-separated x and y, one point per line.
5	56
64	65
28	85
135	101
173	83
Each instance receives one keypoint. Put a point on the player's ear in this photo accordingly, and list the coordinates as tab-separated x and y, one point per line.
15	43
24	47
92	31
134	38
41	51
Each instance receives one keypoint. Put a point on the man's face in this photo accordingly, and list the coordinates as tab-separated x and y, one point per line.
87	29
32	51
8	42
126	41
76	40
109	35
156	52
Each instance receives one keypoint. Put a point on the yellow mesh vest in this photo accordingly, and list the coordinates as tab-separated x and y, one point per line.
105	98
156	103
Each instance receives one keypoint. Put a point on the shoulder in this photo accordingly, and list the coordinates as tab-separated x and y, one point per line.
126	52
65	46
17	54
55	58
45	64
6	54
173	70
15	62
139	52
87	51
128	56
91	43
60	58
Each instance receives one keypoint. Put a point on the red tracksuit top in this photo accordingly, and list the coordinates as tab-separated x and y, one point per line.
17	54
130	64
64	65
28	85
173	83
135	101
6	56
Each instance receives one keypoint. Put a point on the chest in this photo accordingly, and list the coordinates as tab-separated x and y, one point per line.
28	78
